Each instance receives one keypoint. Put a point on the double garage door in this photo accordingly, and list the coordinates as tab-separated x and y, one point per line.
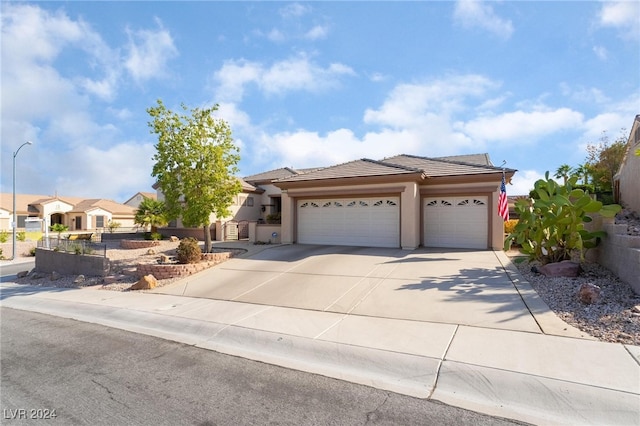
370	222
455	222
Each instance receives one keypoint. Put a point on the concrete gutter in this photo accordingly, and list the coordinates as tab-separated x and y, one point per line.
526	376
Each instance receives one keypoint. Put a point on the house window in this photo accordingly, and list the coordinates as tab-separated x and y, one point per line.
21	221
99	221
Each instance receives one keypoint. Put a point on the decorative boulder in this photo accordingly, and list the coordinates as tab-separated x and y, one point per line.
79	279
588	293
145	283
163	258
151	251
174	239
22	274
55	276
566	268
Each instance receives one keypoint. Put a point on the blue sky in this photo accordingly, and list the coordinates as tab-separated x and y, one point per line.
312	83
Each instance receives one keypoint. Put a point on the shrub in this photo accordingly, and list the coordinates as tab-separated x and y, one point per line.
510	226
113	226
551	226
4	236
21	236
155	236
274	218
189	251
32	252
1	255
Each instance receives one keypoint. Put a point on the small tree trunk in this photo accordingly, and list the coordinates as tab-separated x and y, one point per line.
207	239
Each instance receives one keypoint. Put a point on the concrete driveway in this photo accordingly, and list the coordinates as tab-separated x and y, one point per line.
433	285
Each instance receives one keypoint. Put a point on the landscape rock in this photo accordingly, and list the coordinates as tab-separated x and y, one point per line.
79	279
145	283
163	258
151	251
174	239
55	276
22	274
566	268
589	293
36	275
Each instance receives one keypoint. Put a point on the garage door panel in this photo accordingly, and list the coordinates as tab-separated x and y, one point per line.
456	222
350	221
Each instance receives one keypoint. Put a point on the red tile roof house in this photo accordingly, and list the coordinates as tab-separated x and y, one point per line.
404	201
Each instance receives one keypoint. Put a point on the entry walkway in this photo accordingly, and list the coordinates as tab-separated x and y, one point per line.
509	371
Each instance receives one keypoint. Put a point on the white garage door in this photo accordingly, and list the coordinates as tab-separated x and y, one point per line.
370	222
457	222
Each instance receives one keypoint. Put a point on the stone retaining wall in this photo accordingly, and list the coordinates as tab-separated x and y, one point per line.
174	270
620	253
138	244
71	264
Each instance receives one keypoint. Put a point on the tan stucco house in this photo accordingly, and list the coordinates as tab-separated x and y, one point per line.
79	214
404	201
627	180
138	198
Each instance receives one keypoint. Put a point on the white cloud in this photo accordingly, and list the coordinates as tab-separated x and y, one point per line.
149	51
408	104
622	15
523	181
316	33
601	52
294	10
479	14
276	35
519	126
294	74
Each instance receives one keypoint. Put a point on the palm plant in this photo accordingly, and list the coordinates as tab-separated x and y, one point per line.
563	172
151	213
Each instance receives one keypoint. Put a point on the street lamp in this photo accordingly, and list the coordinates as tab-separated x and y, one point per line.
15	219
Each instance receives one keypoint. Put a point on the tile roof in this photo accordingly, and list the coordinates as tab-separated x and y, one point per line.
446	166
29	202
281	173
357	168
403	164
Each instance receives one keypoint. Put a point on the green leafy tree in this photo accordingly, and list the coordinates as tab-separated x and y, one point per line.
551	225
564	171
195	164
604	160
151	213
59	228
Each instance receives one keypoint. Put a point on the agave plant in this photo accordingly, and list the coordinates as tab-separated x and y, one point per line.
551	226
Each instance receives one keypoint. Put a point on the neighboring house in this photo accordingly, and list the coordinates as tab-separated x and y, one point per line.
627	181
137	199
79	214
403	201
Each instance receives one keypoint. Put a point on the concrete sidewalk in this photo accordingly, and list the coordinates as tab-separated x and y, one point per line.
533	377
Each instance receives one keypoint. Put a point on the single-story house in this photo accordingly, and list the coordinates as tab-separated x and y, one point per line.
403	201
79	214
627	181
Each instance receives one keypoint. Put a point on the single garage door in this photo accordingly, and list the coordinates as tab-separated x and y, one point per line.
369	222
457	222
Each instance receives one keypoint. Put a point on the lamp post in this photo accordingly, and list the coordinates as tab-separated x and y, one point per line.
15	219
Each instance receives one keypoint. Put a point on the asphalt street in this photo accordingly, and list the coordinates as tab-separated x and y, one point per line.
90	374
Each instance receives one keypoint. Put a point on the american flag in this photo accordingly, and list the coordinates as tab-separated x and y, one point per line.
503	204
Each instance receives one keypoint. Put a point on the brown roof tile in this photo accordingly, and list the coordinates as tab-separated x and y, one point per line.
358	168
